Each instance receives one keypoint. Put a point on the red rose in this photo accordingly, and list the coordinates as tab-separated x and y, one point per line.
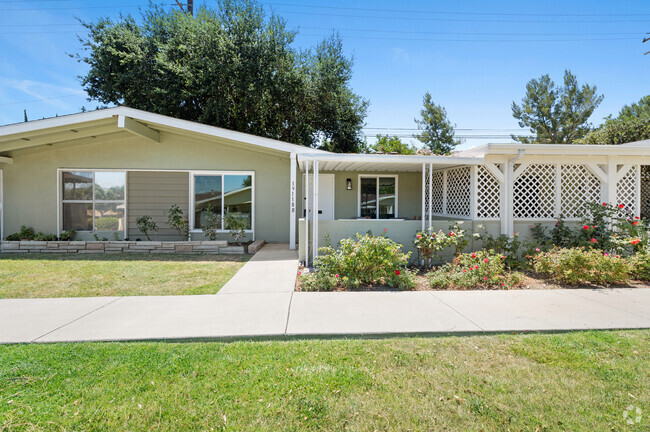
485	278
586	227
451	234
604	204
419	236
397	272
485	260
621	206
473	255
593	240
635	241
636	217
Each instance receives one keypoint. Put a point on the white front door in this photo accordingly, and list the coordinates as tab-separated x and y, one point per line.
325	196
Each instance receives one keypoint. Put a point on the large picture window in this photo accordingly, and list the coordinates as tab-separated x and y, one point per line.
378	197
223	194
93	200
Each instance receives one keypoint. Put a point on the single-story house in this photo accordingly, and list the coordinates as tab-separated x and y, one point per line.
97	172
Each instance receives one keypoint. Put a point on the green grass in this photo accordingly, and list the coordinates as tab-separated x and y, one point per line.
38	276
571	381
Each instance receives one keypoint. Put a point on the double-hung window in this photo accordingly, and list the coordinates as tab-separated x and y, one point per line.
378	197
93	200
222	193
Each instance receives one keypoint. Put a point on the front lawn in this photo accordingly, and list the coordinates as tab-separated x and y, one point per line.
545	382
38	276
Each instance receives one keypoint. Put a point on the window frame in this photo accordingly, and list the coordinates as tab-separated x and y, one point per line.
377	177
192	212
61	201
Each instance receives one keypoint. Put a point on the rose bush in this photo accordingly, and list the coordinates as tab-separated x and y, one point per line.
577	266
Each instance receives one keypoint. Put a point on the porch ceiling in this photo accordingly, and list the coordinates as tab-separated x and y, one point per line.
383	162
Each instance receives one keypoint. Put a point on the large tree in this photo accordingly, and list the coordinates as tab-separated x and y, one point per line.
233	67
437	131
556	114
631	124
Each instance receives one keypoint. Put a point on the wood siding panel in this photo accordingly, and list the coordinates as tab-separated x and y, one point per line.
151	194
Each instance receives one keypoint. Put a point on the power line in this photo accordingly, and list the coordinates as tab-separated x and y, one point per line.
42	99
453	13
461	20
479	40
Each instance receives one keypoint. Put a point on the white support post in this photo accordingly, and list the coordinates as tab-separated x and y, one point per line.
612	180
637	211
558	190
430	195
306	246
292	202
315	212
506	200
2	210
424	194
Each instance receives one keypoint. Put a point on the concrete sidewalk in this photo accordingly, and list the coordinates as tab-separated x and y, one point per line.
259	302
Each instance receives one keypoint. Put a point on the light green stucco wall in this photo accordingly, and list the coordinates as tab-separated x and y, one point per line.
30	184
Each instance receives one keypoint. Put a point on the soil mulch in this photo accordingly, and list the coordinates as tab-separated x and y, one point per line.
532	281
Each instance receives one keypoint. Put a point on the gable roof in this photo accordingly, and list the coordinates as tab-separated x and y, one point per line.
105	121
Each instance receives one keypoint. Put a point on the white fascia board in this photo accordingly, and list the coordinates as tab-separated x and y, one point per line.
53	122
568	149
384	158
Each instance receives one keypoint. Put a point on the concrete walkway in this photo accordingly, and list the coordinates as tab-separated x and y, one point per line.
259	302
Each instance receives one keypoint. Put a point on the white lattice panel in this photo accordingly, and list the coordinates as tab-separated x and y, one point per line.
488	194
436	192
645	191
626	190
578	187
459	183
427	196
534	192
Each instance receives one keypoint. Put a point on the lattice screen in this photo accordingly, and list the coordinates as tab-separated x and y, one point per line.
534	192
427	196
645	191
626	190
578	186
459	183
488	194
437	192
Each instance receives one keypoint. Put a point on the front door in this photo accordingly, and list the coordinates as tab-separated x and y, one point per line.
325	196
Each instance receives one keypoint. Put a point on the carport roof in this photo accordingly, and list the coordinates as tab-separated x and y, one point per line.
382	162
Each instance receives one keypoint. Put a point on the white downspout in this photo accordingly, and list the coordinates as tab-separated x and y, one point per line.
315	211
306	213
424	215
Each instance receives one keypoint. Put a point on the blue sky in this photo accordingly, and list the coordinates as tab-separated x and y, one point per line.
474	57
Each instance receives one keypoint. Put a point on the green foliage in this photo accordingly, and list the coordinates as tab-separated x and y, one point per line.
391	144
67	235
640	265
483	269
437	131
556	115
234	67
25	233
640	109
211	222
40	236
147	226
509	247
360	261
430	244
107	224
619	131
578	265
178	221
237	226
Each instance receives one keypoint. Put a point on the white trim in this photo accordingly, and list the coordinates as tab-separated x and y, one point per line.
315	212
292	202
424	173
137	128
307	214
376	177
221	173
430	195
473	181
638	191
93	201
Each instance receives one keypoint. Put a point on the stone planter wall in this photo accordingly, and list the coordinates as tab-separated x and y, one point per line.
117	247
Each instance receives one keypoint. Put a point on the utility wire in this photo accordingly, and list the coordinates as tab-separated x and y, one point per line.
42	99
453	13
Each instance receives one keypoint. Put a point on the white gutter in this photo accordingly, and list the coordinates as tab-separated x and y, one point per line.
385	158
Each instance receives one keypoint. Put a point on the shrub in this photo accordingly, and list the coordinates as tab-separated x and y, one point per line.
67	235
429	244
508	246
640	265
211	222
576	266
178	221
483	269
237	226
40	236
147	225
359	261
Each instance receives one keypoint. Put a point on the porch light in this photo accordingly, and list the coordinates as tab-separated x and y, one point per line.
348	184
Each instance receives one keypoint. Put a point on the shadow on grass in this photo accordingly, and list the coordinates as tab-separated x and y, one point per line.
126	257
